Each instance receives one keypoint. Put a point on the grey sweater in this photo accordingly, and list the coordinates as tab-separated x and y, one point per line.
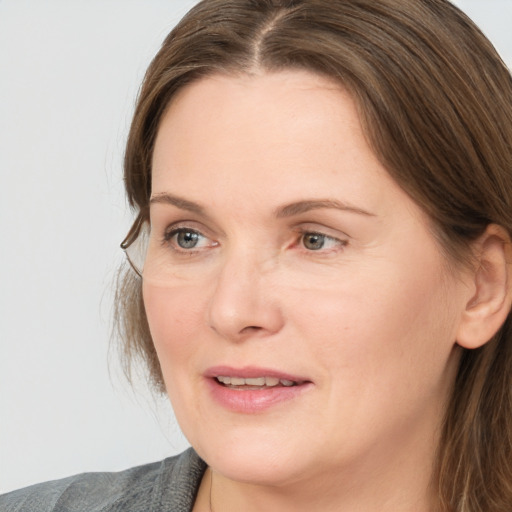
167	486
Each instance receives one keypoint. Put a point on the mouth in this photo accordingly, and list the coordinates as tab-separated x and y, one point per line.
255	383
254	390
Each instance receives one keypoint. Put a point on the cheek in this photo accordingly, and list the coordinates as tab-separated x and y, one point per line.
175	316
388	323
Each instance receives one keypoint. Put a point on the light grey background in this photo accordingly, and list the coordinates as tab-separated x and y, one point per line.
69	73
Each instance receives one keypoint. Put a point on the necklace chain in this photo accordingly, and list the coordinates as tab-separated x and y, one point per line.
211	486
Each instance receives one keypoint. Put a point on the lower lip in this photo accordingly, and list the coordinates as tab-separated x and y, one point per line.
252	401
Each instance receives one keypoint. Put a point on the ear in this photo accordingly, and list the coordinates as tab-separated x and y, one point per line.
491	289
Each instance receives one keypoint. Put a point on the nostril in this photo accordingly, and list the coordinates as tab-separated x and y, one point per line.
251	328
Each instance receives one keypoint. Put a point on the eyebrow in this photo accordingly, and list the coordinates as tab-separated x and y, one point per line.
296	208
179	202
288	210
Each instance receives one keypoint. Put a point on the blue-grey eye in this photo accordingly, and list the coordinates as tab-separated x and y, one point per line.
313	241
187	239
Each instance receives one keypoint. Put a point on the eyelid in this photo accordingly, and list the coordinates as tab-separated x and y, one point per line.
187	224
170	215
322	229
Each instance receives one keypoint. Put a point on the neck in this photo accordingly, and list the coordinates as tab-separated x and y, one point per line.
393	486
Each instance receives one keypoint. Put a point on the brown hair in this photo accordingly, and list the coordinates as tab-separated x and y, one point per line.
435	101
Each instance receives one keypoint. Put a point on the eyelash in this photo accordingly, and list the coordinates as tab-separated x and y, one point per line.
325	239
170	236
173	233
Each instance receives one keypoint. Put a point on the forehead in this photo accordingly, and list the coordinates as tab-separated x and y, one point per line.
273	137
272	109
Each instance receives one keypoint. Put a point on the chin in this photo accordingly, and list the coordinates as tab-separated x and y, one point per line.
252	456
256	467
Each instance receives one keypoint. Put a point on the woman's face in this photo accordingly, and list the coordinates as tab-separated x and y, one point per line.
282	253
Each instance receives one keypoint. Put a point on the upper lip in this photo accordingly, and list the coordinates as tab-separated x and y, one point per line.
248	372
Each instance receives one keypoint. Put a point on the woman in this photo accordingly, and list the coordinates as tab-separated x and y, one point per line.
323	194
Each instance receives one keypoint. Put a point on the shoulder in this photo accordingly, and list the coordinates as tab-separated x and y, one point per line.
167	485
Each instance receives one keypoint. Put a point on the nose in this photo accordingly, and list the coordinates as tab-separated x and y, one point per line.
245	301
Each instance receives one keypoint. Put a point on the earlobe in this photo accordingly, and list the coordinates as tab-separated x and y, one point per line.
489	306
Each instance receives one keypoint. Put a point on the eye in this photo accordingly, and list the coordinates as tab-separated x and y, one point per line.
317	241
187	239
313	241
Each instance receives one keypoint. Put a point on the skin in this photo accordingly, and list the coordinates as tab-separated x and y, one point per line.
371	318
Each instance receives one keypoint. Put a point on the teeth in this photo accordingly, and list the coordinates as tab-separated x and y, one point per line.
271	381
260	381
254	381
